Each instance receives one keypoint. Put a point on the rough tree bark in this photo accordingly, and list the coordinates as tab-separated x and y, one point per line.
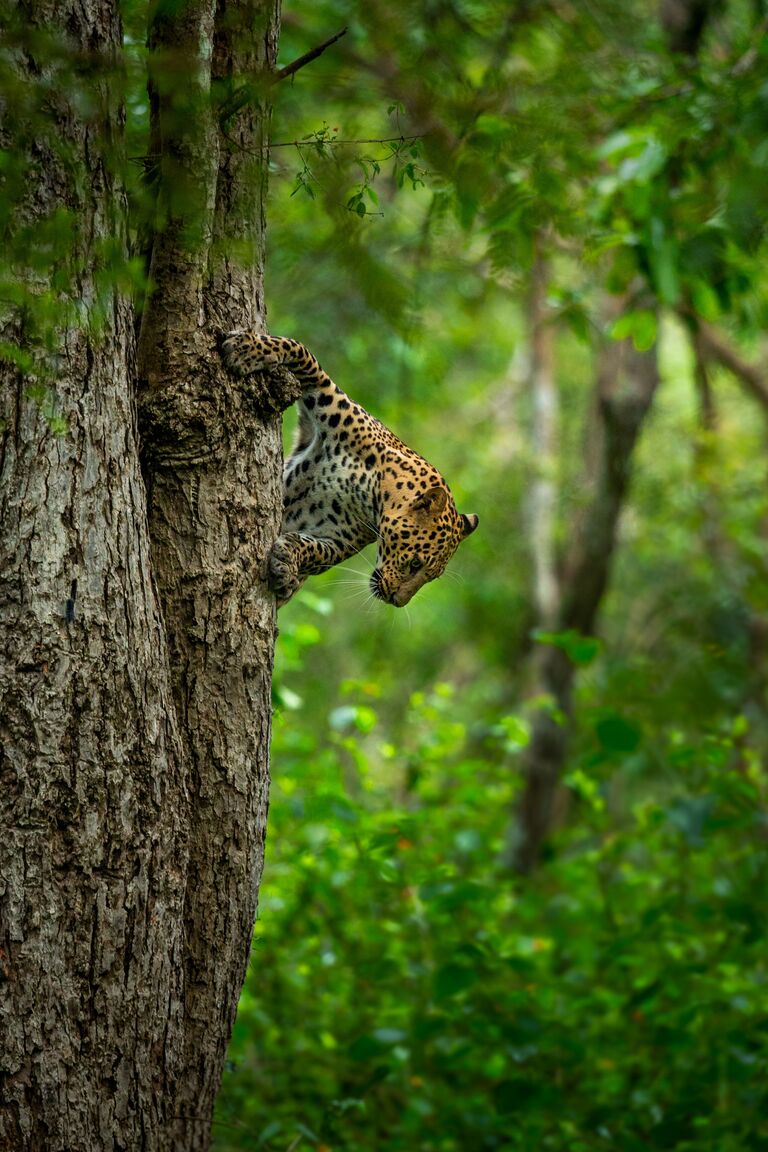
136	635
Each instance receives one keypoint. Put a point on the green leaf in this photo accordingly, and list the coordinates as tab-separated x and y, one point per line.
617	734
516	732
663	258
580	650
305	1131
451	980
705	300
372	1044
358	716
364	1048
388	1037
274	1128
640	325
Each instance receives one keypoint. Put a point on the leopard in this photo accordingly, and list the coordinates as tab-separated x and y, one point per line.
349	482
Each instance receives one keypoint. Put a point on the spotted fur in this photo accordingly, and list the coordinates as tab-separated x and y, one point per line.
350	481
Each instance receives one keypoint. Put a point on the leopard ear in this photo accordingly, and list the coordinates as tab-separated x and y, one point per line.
431	502
469	523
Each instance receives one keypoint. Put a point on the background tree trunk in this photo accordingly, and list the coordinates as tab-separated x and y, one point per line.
542	495
134	729
625	385
624	389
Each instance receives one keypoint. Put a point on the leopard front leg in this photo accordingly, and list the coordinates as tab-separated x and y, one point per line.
295	556
244	353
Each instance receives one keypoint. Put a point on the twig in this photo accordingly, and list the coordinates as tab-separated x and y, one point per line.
248	91
331	141
307	58
715	347
308	143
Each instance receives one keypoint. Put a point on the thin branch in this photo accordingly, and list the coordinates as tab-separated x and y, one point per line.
250	90
716	348
307	58
332	141
309	143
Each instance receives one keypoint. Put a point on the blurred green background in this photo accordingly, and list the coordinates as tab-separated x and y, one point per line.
524	189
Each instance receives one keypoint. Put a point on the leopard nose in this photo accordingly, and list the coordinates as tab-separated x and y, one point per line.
401	596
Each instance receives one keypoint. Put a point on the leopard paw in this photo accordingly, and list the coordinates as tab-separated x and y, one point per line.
283	571
244	353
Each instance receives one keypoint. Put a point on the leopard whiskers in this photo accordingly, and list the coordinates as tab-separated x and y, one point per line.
347	568
372	604
354	581
351	587
364	522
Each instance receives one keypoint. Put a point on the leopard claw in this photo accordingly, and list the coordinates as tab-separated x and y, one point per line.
282	572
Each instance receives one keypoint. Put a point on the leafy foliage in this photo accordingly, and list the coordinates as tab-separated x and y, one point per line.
404	994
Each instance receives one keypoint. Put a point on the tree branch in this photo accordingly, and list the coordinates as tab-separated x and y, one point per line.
307	58
249	91
716	348
333	142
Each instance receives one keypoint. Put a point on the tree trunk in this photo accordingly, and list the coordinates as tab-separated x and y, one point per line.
214	474
542	493
624	389
136	635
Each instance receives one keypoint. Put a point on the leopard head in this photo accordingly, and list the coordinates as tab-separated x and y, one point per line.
417	538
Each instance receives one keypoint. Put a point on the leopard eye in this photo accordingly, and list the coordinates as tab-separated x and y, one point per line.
415	565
